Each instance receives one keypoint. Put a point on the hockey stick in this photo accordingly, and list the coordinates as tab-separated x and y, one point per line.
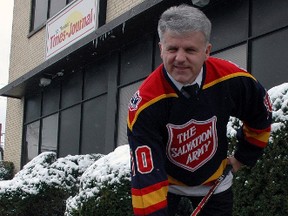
211	191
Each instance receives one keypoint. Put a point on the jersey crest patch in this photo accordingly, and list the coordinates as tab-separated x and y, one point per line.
192	144
135	101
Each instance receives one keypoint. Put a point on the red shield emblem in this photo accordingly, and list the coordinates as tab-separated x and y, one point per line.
192	144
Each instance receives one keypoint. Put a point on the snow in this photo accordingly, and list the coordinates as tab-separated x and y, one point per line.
46	168
93	170
110	169
107	167
279	98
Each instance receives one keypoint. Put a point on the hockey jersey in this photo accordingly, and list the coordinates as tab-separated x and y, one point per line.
175	140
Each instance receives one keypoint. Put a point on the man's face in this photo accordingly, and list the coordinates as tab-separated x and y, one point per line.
183	55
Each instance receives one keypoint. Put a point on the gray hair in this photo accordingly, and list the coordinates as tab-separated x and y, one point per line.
184	19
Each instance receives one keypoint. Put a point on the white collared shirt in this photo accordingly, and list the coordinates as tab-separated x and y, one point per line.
179	85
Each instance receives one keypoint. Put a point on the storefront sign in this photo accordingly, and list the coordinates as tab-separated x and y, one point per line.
74	22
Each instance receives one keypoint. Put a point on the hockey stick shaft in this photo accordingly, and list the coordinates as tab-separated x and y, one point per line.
211	191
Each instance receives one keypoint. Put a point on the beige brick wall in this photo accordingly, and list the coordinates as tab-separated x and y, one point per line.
13	132
26	54
117	7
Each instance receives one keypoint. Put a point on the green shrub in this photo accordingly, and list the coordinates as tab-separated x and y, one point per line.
104	187
47	201
6	170
263	189
111	199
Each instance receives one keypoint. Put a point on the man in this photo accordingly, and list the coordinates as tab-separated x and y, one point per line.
177	137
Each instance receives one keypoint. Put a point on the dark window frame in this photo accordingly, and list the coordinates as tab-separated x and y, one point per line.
37	103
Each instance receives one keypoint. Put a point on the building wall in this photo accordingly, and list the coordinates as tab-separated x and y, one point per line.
116	8
13	134
26	54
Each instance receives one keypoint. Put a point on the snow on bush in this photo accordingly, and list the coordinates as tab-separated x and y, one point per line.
47	169
108	170
279	99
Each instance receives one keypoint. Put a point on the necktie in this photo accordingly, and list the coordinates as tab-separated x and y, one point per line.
190	90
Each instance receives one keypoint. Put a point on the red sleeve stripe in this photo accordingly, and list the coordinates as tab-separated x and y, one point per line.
147	190
257	142
150	209
153	201
257	137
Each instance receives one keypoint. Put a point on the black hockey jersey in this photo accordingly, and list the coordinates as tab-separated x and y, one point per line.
182	141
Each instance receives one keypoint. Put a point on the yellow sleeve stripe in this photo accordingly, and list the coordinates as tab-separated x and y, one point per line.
263	136
218	172
238	74
212	178
150	199
144	106
173	181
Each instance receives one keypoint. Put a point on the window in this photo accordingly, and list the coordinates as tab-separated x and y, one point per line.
229	23
157	55
42	10
268	15
96	78
39	13
69	130
93	129
51	97
72	89
49	133
136	61
269	62
125	95
31	141
32	108
237	55
56	6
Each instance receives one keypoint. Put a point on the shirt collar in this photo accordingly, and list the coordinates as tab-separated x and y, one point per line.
179	85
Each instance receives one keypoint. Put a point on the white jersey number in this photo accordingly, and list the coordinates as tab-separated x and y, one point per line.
144	159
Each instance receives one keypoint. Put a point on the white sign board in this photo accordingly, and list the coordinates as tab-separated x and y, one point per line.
74	22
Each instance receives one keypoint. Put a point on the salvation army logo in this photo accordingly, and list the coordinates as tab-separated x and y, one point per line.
192	144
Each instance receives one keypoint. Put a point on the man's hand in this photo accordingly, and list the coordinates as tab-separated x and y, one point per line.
235	163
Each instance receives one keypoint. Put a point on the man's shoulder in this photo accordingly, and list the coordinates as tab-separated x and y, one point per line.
155	85
222	66
218	70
